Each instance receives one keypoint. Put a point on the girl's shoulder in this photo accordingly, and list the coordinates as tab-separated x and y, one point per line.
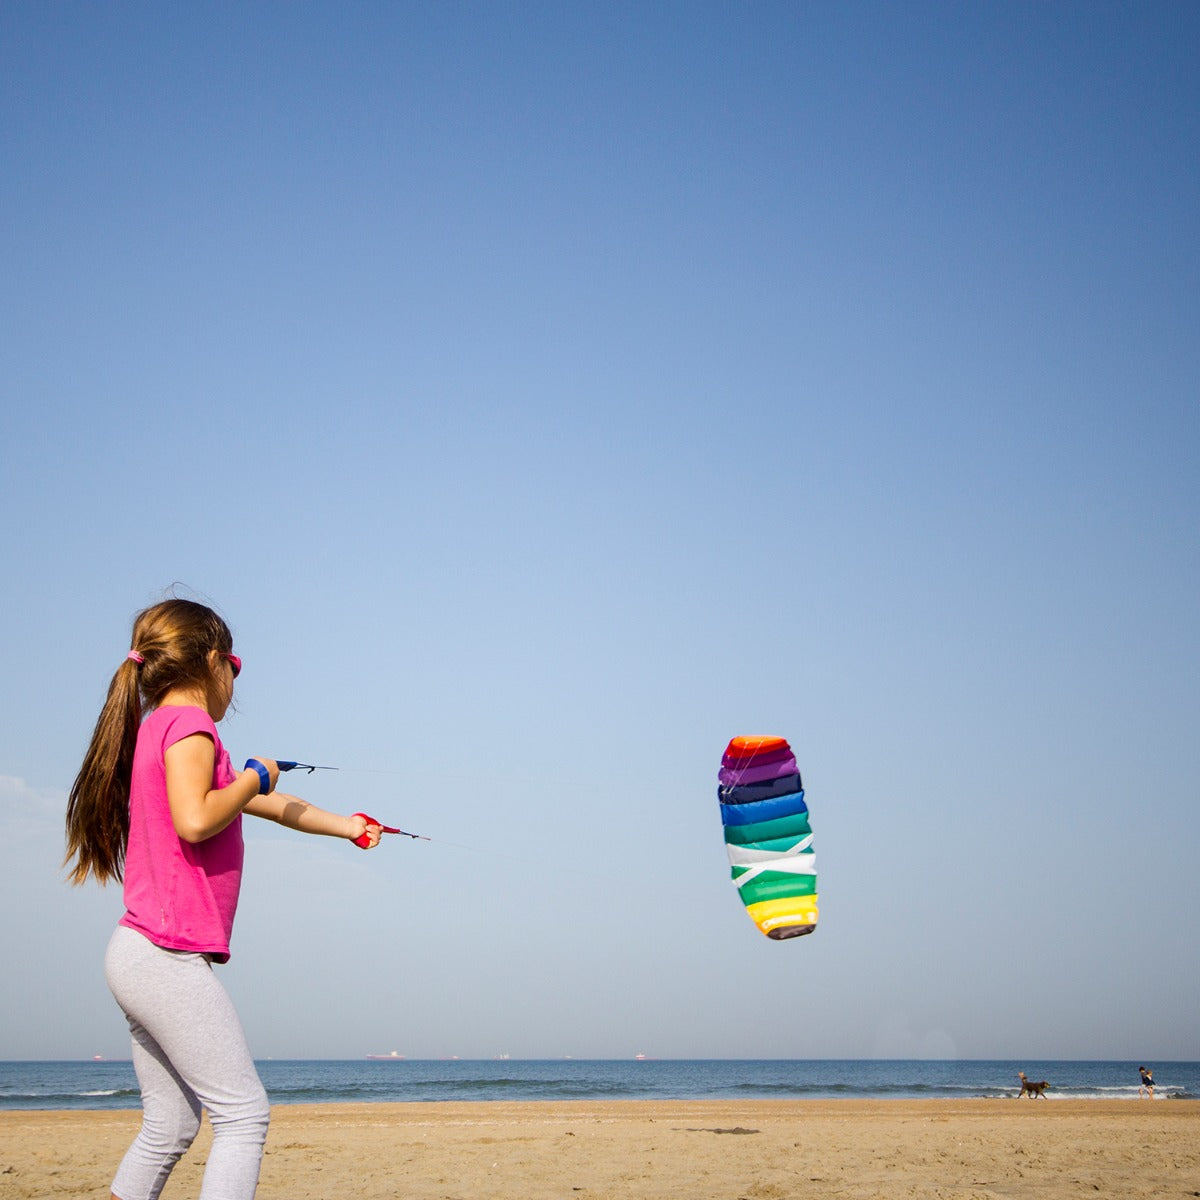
173	722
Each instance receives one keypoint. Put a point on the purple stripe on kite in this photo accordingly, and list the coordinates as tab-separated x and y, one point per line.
756	757
757	774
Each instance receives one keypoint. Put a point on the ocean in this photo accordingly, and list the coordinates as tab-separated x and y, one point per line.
111	1084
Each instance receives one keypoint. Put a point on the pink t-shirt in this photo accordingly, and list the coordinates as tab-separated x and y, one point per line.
182	896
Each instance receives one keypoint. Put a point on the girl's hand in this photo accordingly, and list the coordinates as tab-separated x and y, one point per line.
363	832
272	769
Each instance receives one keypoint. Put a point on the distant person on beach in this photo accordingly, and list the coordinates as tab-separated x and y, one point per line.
1147	1085
158	805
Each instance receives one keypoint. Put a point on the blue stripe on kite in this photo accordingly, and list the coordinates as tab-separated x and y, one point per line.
763	810
748	793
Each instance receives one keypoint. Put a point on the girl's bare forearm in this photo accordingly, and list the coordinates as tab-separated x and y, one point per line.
298	814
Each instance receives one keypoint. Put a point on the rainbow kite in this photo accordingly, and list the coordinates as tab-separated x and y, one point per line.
767	835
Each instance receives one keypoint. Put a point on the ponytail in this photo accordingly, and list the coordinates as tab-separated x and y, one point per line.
98	808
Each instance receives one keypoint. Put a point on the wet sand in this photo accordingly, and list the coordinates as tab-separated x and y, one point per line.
639	1150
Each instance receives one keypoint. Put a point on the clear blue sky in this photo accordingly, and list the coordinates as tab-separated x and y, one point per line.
547	393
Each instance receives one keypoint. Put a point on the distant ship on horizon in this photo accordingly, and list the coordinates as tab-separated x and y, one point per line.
392	1054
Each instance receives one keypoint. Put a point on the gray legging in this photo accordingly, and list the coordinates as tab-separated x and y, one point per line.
189	1053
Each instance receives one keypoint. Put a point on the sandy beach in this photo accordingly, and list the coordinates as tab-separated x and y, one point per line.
630	1150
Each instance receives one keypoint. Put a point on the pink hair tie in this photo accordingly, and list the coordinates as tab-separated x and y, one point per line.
137	658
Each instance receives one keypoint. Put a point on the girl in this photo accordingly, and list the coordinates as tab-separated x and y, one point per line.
158	804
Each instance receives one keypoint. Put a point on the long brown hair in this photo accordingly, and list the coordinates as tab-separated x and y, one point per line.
174	640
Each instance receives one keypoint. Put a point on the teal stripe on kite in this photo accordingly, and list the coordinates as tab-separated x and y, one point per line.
795	825
780	845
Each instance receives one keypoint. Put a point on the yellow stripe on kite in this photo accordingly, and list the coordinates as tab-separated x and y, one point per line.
788	910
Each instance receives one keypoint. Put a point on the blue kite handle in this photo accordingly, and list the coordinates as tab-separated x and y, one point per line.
264	777
285	766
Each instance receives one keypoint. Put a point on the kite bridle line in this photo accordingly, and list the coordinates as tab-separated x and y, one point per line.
747	756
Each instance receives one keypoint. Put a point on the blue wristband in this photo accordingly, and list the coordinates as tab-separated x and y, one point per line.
264	776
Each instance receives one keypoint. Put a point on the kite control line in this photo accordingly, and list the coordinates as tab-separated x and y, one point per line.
364	840
361	842
264	776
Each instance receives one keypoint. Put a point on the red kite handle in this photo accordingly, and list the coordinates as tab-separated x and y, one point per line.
365	840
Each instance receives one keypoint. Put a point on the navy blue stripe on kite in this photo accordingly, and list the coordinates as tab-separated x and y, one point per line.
747	793
763	810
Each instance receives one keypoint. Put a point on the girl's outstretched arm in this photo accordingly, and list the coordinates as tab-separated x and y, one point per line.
308	818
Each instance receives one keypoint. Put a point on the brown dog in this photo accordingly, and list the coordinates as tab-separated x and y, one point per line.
1030	1089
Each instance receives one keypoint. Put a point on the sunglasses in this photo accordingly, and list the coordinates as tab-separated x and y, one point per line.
235	663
